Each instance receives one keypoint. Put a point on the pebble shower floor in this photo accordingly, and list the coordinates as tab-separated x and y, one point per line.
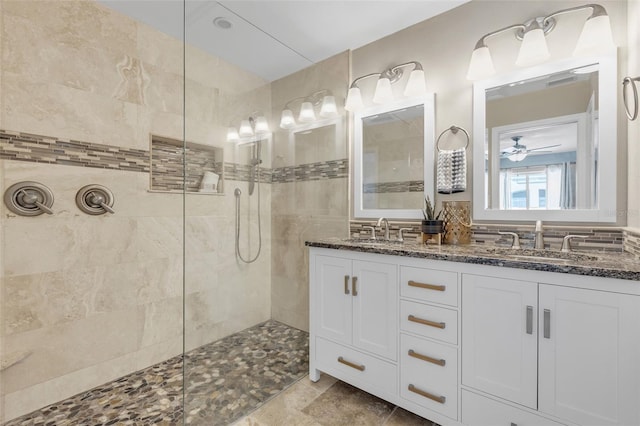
225	380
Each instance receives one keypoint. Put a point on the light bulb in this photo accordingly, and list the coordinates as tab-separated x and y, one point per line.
534	47
519	156
287	121
354	100
481	64
416	85
306	113
595	38
245	129
232	134
328	108
383	93
262	126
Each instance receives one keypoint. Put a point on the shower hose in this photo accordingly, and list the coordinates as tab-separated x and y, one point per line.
237	194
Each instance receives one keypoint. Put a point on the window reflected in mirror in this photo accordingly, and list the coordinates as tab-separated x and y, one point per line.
541	149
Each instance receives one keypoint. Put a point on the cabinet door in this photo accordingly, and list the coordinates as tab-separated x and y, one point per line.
589	356
375	308
333	315
499	340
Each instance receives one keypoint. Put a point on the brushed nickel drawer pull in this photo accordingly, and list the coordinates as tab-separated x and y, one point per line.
354	289
427	286
426	322
350	364
440	362
346	284
440	399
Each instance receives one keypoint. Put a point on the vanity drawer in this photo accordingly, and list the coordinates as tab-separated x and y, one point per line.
429	375
429	321
429	285
352	366
478	410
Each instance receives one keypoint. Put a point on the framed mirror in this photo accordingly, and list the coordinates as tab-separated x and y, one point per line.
394	159
550	139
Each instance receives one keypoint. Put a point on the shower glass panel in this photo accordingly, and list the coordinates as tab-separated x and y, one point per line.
92	304
246	289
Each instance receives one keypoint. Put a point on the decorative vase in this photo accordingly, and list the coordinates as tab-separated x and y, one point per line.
432	227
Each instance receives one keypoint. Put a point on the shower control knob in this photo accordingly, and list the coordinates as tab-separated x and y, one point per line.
95	200
29	199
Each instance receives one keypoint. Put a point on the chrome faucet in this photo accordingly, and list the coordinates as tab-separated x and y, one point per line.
386	226
539	238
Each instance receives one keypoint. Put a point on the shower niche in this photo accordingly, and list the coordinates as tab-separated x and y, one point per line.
203	167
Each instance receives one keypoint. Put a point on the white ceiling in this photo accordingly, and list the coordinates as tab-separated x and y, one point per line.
273	39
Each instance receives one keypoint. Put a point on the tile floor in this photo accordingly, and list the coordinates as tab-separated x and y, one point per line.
329	402
257	377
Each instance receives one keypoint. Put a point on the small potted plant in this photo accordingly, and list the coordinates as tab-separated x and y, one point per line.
431	223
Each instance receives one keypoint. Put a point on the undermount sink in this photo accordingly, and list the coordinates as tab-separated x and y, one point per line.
530	254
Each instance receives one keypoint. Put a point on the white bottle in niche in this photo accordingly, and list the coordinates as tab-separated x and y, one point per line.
209	182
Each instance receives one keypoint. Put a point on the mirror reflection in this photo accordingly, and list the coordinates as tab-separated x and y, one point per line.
393	159
542	142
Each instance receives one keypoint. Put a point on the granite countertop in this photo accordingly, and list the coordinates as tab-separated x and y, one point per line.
620	265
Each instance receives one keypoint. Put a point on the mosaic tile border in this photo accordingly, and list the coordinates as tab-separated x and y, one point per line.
632	242
598	239
20	146
331	169
389	187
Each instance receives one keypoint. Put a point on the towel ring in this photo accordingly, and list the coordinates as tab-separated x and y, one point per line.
625	82
454	130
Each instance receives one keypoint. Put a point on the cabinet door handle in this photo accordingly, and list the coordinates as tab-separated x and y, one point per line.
529	319
426	322
547	324
350	364
346	284
435	287
436	398
354	283
440	362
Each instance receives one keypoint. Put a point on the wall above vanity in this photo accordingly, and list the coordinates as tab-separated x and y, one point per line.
443	45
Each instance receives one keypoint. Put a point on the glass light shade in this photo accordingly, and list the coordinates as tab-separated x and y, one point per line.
262	126
328	108
354	100
286	120
232	134
533	49
383	93
416	85
481	64
306	113
518	156
596	37
245	129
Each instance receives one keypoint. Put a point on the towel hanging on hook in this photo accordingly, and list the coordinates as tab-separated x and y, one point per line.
628	81
452	165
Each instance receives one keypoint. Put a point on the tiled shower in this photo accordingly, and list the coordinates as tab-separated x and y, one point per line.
86	299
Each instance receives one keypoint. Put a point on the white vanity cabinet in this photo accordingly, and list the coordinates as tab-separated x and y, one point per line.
354	321
567	352
499	339
477	345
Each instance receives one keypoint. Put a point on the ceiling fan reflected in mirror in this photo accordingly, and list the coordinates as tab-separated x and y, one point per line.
519	152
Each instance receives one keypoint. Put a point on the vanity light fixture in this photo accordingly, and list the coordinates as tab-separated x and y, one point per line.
248	128
416	85
595	38
307	113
